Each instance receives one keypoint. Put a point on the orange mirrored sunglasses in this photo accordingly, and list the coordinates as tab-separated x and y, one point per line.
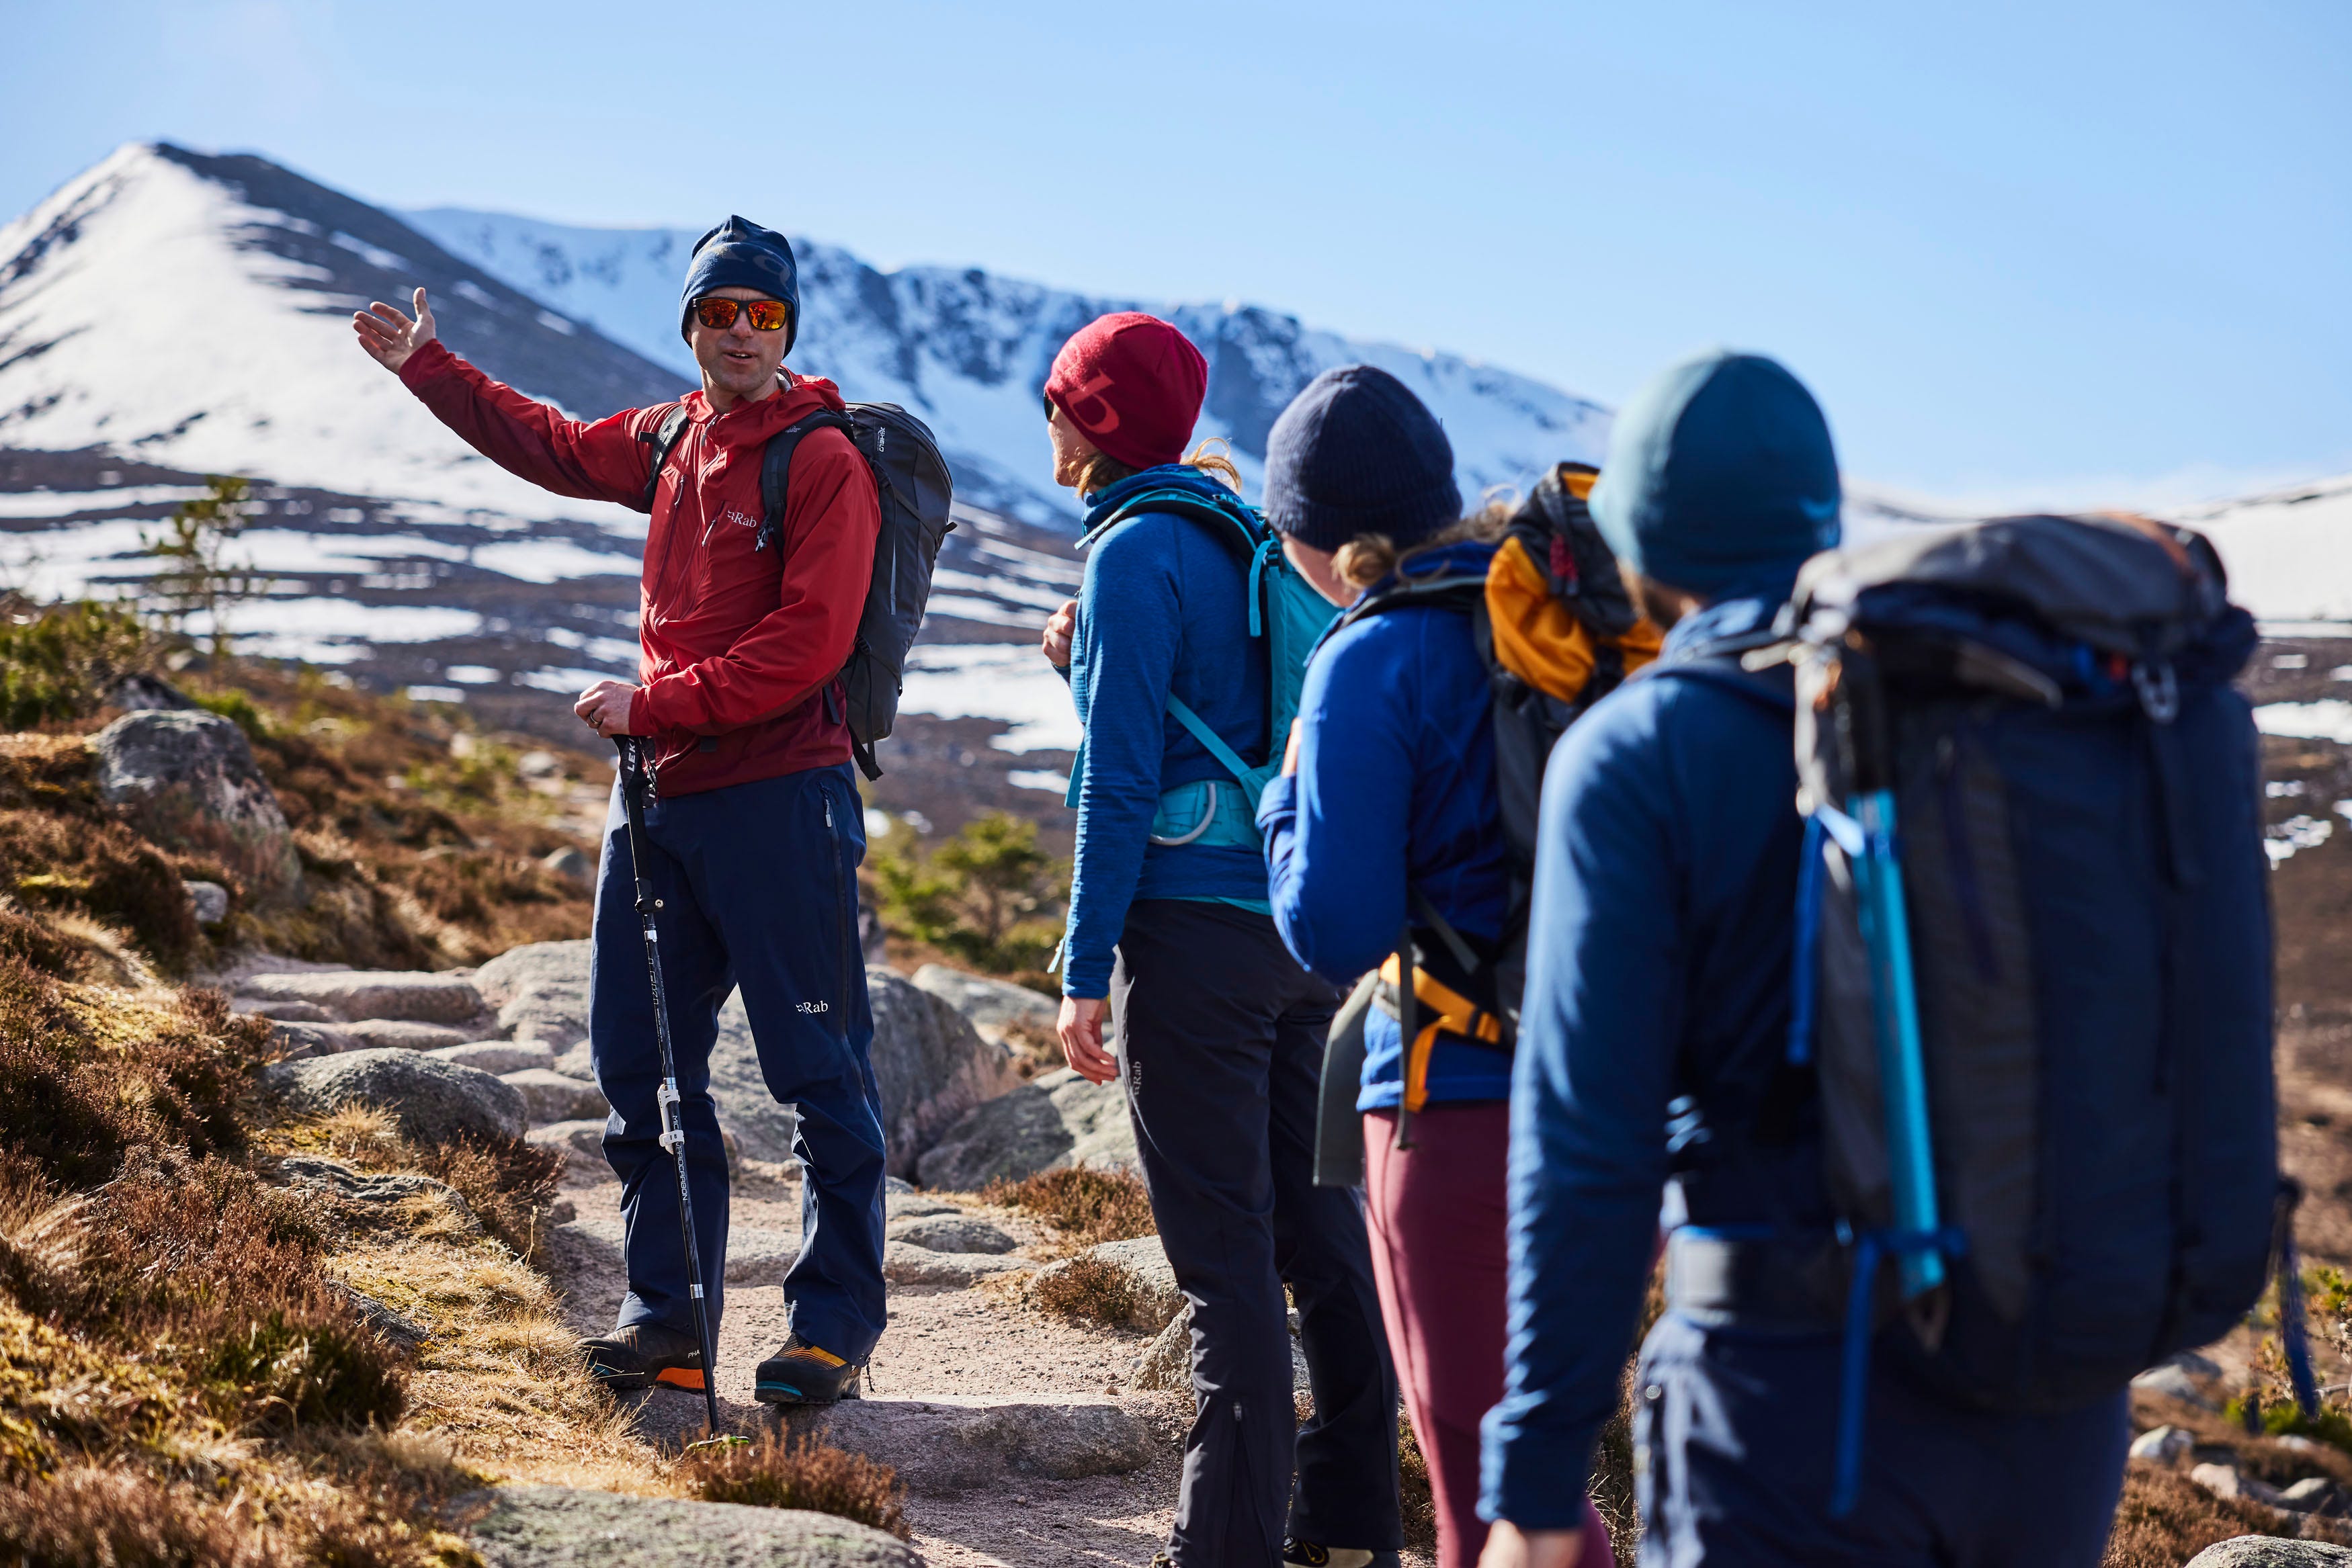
767	315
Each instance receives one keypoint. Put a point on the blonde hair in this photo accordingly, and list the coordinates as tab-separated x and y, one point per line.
1367	557
1102	470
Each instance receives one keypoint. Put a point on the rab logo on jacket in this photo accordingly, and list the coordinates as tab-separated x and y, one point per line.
732	515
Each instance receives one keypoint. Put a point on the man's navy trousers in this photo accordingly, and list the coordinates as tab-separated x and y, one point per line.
758	889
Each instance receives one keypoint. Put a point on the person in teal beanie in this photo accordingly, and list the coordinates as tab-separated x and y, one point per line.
1656	1017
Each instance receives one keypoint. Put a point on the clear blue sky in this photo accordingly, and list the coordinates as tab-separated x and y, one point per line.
2058	249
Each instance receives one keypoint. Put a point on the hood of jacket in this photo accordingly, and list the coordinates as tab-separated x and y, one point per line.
1105	504
741	433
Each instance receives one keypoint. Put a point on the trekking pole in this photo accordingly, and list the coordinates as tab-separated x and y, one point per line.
673	1132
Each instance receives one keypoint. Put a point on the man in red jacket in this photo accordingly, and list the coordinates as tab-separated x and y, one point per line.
756	829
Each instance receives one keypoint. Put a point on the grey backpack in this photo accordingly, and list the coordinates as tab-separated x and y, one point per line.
915	490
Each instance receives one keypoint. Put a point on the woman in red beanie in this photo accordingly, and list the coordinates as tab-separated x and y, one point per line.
1221	1032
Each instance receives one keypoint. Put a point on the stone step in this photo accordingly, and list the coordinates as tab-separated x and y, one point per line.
944	1444
418	995
569	1527
548	1096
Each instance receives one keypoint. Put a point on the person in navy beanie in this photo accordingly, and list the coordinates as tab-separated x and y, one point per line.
1391	790
753	824
1220	1032
1358	453
740	254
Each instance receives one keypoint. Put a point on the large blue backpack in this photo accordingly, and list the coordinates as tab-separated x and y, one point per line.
2033	983
1285	610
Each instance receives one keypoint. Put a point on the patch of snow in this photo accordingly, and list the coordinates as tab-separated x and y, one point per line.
2330	718
433	694
2281	841
1006	680
474	674
1046	779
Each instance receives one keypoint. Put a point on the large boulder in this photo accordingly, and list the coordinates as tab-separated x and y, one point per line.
1056	1120
931	1065
568	1527
433	1099
187	778
541	992
410	996
992	1006
2270	1551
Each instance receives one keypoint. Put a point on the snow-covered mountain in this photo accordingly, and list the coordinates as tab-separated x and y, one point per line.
969	350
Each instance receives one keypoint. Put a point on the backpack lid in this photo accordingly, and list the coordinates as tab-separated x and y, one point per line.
2122	584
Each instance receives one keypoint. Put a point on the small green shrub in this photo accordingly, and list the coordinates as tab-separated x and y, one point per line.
237	706
801	1473
1087	1206
987	896
59	663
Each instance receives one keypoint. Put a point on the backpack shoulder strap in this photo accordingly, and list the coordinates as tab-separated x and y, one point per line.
776	468
1722	663
663	438
1465	592
1244	534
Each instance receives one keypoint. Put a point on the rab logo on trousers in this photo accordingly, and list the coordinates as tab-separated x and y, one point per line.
812	1006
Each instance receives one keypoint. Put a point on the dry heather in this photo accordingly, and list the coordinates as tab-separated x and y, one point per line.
801	1473
1083	1206
1086	1291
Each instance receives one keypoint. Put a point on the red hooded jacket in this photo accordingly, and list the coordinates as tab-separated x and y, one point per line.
742	647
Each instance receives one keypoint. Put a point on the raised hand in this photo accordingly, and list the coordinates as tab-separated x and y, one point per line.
390	337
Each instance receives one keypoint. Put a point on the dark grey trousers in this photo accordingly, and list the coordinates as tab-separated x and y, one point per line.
1222	1039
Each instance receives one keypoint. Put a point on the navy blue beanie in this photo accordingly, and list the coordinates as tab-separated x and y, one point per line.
1357	452
1720	473
740	254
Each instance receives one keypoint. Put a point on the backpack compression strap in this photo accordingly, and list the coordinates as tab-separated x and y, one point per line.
664	439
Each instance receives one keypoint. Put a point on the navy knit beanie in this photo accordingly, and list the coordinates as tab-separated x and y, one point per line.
740	254
1357	452
1721	476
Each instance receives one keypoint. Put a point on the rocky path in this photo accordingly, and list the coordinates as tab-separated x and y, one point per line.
1018	1436
1022	1438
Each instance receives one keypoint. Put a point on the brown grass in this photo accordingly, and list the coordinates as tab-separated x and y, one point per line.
1087	1290
1085	1206
800	1473
1417	1504
2164	1518
506	1182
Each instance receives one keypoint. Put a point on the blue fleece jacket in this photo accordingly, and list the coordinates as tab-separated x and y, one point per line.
1164	608
1395	787
1659	967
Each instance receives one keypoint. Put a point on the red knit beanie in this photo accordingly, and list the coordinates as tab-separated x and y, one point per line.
1132	384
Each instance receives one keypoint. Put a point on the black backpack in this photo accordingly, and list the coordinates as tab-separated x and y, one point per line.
1557	633
915	489
2031	995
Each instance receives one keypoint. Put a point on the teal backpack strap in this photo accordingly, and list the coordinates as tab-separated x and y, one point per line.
1248	777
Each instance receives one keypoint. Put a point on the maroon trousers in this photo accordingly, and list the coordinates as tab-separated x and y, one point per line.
1439	1254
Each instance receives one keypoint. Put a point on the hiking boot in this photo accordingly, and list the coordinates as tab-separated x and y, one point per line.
642	1354
1306	1555
801	1373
